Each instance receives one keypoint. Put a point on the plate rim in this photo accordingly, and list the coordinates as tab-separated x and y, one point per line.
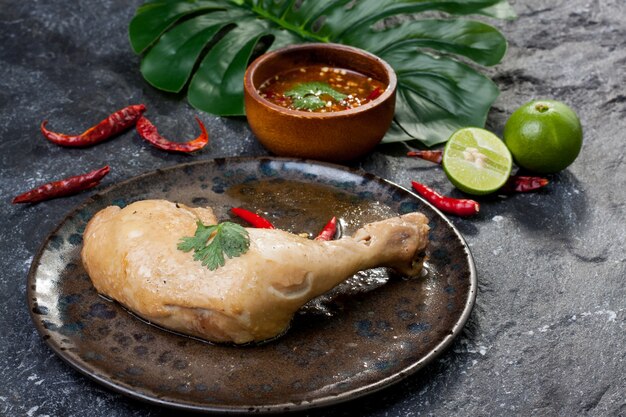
319	402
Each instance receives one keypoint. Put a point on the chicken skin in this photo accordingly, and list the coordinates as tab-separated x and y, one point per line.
131	256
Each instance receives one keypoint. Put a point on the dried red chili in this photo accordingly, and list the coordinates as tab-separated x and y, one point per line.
329	230
64	187
432	156
252	218
523	184
150	133
458	207
109	127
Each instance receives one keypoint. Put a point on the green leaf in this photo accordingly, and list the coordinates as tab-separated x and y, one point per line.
477	41
211	243
316	89
308	103
217	86
445	93
206	45
154	18
306	96
234	240
168	65
367	12
501	10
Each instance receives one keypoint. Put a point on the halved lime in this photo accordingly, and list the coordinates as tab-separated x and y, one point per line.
476	161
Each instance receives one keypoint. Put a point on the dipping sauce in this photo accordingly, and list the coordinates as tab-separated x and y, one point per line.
318	88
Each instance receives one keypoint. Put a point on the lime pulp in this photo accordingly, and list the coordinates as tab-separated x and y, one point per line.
476	161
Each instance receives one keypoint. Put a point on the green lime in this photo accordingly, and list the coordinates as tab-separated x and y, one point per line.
476	161
544	136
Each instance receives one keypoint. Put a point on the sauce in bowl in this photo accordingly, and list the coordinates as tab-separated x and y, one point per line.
319	88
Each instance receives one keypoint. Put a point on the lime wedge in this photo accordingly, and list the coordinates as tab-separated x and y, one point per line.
476	161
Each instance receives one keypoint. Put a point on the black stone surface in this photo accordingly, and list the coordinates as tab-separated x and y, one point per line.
547	336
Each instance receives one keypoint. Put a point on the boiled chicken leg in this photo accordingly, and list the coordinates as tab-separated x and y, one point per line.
131	256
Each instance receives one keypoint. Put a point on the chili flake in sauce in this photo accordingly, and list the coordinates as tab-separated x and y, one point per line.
319	88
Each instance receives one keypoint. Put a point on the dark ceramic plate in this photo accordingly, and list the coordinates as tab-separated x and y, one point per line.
366	334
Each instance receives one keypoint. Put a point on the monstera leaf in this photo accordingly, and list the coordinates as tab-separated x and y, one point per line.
207	44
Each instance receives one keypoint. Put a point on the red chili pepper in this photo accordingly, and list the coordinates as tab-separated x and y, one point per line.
522	184
62	188
111	126
329	231
458	207
252	218
432	156
375	94
150	133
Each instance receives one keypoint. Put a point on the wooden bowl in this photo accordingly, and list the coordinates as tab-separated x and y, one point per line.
332	136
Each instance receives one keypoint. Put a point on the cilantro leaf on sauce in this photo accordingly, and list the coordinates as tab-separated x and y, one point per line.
306	96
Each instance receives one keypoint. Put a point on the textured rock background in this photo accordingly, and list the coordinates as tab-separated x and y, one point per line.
547	336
